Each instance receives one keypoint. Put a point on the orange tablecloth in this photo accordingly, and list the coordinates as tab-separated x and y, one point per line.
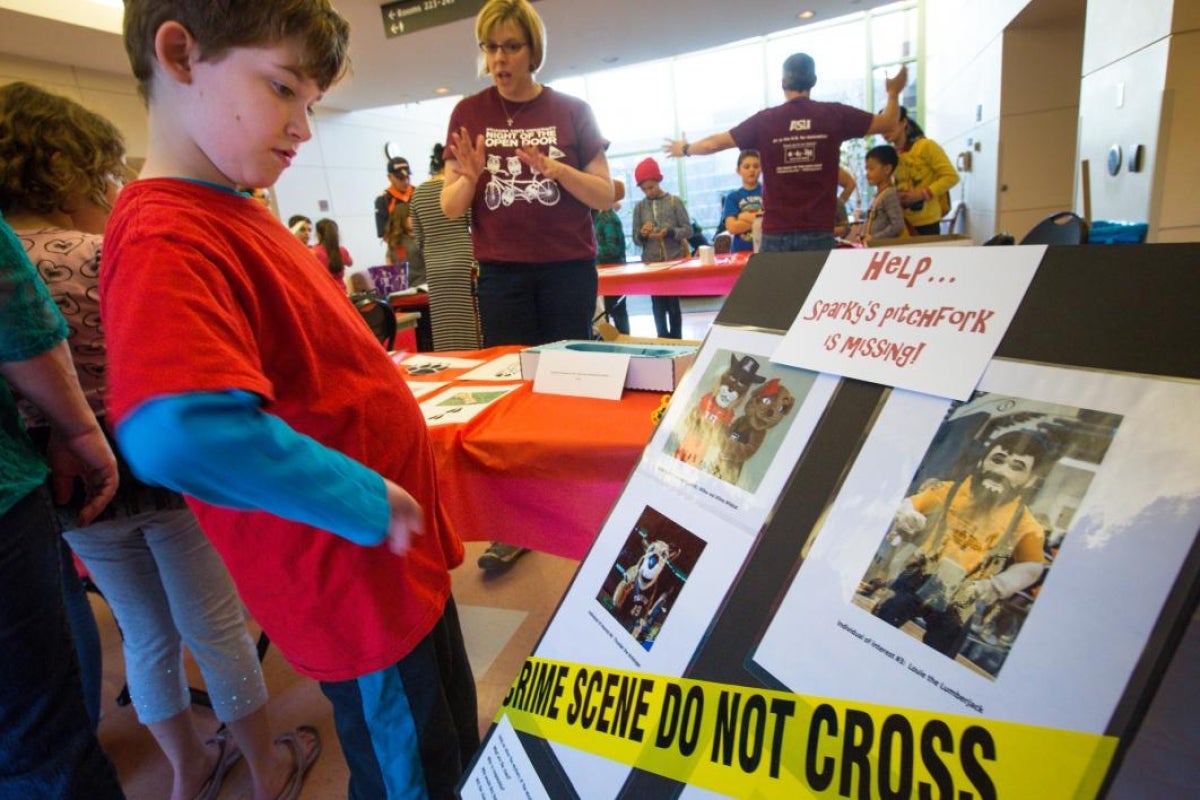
689	277
537	470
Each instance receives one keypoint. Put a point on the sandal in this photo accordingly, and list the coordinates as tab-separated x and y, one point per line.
228	754
303	761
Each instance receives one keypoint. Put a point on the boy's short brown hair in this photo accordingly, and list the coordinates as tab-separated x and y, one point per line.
747	153
53	151
219	25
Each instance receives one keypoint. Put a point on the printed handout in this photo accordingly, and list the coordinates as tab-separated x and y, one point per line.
432	364
424	388
505	368
462	404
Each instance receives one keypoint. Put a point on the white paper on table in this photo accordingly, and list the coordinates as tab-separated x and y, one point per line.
422	388
458	406
505	368
503	770
430	364
578	374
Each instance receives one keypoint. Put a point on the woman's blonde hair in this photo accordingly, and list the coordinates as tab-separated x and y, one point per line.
519	13
54	151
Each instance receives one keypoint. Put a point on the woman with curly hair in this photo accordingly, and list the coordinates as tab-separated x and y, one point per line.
61	167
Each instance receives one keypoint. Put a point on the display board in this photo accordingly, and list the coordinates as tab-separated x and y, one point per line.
820	586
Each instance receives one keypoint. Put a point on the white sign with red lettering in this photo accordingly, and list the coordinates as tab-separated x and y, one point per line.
925	319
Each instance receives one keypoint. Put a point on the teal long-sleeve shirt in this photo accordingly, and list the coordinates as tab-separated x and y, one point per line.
222	448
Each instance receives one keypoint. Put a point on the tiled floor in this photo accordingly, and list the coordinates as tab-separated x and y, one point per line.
502	618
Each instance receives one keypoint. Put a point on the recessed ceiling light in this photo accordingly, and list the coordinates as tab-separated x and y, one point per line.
441	90
806	14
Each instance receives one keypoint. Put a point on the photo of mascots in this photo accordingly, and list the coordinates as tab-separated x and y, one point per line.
637	597
704	427
766	408
954	568
966	554
650	572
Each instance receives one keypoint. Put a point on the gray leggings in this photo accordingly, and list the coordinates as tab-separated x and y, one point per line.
167	587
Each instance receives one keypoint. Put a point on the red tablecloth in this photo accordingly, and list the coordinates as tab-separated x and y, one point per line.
689	278
538	470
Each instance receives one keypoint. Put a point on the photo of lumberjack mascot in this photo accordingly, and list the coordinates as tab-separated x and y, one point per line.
981	543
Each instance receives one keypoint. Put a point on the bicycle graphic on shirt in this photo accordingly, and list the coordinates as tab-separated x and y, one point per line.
505	188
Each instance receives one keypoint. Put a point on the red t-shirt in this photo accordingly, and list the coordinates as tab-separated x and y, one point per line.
800	145
519	217
203	290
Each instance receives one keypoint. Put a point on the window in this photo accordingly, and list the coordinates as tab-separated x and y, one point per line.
639	106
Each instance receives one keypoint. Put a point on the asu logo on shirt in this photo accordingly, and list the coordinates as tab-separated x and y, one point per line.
800	125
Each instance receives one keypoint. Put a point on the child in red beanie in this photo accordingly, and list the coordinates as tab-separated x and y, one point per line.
661	227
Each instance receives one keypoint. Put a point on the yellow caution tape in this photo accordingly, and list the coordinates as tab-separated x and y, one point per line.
755	743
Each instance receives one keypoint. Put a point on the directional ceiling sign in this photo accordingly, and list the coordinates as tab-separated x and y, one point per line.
408	16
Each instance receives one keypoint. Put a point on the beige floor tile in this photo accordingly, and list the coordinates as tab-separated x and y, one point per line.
505	615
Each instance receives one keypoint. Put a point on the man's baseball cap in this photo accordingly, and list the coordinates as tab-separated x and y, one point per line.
398	166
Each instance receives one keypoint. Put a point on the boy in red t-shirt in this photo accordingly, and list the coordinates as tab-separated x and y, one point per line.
240	375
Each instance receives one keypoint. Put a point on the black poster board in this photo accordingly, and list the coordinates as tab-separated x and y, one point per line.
1113	309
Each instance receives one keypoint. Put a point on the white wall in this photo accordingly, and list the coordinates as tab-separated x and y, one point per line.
1141	85
963	65
344	166
1039	116
1002	82
1175	209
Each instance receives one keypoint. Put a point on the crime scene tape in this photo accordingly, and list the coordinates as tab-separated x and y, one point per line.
755	743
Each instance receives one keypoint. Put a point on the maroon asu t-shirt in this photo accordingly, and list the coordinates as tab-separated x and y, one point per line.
800	146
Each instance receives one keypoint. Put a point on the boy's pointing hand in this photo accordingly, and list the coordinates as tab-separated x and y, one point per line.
406	519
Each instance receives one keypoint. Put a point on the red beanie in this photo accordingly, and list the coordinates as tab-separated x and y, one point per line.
647	170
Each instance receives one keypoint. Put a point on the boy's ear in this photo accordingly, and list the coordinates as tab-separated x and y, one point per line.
175	49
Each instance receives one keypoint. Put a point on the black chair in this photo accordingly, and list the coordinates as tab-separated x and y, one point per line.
1061	228
379	316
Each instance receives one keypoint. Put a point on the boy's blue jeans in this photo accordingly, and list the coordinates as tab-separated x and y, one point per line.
47	747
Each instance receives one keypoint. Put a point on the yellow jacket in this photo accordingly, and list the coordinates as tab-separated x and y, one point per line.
925	166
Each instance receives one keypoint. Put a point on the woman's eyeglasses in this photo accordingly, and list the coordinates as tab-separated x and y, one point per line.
511	48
